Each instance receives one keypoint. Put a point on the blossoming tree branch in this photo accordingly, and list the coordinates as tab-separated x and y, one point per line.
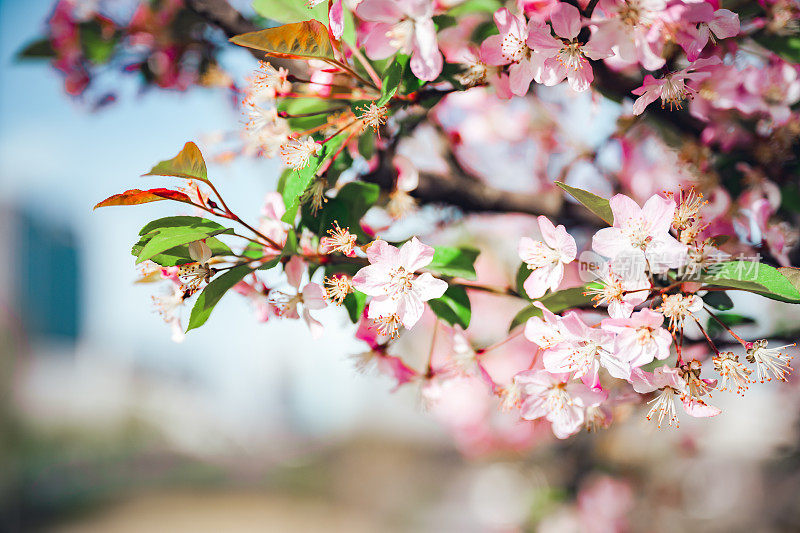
380	109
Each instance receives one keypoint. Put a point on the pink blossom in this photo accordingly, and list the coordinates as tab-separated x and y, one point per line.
671	88
701	22
553	397
583	352
546	259
641	234
778	88
510	48
565	57
671	385
640	338
311	297
620	293
627	30
550	330
391	282
405	26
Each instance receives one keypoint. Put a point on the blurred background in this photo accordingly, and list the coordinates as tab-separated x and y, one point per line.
107	425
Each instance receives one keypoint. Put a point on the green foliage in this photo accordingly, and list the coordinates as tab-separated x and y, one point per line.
97	48
475	6
297	182
522	274
38	49
180	254
786	46
718	300
456	262
753	277
597	205
286	11
165	234
729	319
392	77
453	306
355	302
212	294
556	302
299	106
188	164
351	203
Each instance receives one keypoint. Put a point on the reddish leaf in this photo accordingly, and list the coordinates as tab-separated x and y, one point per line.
308	39
137	196
189	164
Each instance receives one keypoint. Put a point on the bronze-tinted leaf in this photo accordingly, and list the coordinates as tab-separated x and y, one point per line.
189	164
308	39
137	196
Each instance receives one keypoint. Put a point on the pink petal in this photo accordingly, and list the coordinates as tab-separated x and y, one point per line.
383	252
379	11
381	306
540	40
520	76
414	255
725	24
410	309
336	19
426	60
376	43
698	408
645	100
659	212
536	284
581	78
491	52
426	287
295	269
314	296
566	20
372	280
610	242
624	209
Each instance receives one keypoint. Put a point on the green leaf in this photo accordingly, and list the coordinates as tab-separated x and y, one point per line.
522	274
556	302
355	302
189	164
391	78
351	203
97	48
475	6
286	11
299	106
729	319
453	306
366	144
456	262
38	49
597	205
751	276
290	248
167	237
718	300
212	294
180	254
786	46
272	263
296	183
180	221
